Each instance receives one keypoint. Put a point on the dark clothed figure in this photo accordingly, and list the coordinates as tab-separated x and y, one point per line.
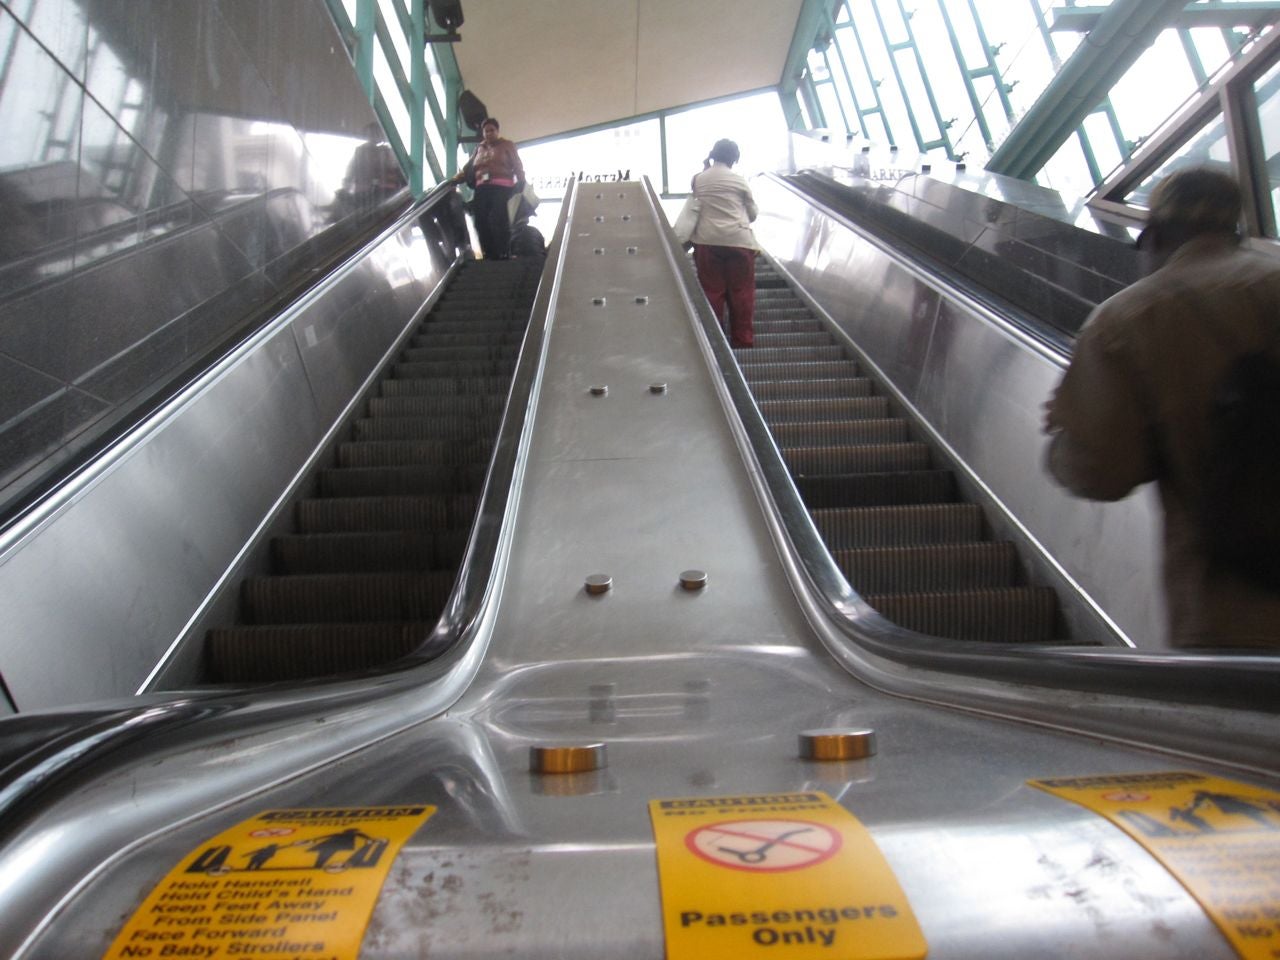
1134	405
724	248
496	174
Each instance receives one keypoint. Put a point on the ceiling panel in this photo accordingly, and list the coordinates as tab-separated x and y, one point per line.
550	66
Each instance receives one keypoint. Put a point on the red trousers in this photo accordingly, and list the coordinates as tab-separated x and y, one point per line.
728	277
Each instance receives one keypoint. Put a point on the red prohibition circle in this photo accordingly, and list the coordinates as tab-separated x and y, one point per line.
758	846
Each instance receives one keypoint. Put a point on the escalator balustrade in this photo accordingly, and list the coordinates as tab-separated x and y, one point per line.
365	574
889	513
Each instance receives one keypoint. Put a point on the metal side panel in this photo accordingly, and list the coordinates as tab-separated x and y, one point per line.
694	694
96	588
980	387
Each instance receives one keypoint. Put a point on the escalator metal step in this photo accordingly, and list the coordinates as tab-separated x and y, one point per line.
877	489
859	405
419	370
481	354
431	338
857	458
752	355
832	432
434	324
771	341
932	568
354	514
395	550
782	312
401	481
408	453
809	325
491	405
899	526
446	386
773	391
346	597
1012	615
257	654
427	428
773	370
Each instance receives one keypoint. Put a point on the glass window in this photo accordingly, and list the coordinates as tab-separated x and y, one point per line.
1141	101
1267	92
1207	147
626	152
755	123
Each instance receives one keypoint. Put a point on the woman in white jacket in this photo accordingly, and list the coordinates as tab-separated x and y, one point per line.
724	248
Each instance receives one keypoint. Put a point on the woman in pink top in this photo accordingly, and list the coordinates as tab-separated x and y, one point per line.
496	174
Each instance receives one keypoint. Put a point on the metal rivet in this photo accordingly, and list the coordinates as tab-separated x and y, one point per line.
598	583
657	388
642	300
622	196
633	250
598	251
599	219
599	390
598	301
693	579
573	758
837	744
626	216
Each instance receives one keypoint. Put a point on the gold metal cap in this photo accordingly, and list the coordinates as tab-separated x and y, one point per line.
693	579
579	758
837	744
598	583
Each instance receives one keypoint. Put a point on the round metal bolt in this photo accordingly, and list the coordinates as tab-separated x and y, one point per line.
599	218
633	250
572	758
599	390
598	583
599	196
626	216
825	745
598	301
598	250
693	579
657	388
622	196
642	300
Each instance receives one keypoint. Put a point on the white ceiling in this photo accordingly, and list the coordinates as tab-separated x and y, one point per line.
543	67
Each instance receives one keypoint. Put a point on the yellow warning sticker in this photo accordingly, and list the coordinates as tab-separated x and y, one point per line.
1221	839
288	883
791	875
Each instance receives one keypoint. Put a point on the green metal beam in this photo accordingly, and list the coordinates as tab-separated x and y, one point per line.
1124	31
810	22
1216	13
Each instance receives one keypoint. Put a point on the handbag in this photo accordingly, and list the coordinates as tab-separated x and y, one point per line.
687	221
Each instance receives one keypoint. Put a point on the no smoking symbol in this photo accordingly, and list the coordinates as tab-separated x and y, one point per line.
764	846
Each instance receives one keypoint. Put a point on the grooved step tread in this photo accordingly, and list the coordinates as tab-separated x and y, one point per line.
249	654
932	568
394	550
345	597
1010	615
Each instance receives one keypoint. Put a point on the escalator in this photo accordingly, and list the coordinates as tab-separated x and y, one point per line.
887	508
368	567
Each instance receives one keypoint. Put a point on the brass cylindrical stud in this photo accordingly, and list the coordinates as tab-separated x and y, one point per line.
598	251
657	388
598	301
599	390
574	758
642	300
837	744
598	583
693	579
633	250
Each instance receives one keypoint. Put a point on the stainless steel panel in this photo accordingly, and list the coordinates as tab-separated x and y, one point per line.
980	387
167	168
94	592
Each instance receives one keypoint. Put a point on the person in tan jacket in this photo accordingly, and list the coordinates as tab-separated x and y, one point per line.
1134	404
724	248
